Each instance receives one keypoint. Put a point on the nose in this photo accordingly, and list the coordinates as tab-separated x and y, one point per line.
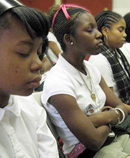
124	34
98	34
36	64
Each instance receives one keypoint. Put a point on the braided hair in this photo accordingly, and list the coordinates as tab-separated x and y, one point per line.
62	25
127	20
106	19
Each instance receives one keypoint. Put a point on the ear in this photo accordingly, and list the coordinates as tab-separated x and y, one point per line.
67	38
104	31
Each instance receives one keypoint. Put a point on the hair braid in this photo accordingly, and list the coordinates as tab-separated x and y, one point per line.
127	20
106	19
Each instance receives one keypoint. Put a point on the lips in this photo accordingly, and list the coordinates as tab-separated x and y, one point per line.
35	83
100	43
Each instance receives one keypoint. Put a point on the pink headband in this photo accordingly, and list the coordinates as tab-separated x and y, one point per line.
63	7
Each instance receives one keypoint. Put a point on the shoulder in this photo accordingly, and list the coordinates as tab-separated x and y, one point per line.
126	49
99	61
97	58
58	80
125	45
29	106
57	72
102	64
51	37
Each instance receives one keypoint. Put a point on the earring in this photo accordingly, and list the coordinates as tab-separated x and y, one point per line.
71	43
105	38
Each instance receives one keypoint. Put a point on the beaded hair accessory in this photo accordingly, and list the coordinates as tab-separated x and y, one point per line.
63	7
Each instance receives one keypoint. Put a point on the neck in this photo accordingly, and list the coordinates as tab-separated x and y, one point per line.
81	69
77	62
4	98
110	46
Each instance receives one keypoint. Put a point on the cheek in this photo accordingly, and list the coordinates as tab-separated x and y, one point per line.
14	73
116	39
18	72
112	39
16	77
116	35
9	79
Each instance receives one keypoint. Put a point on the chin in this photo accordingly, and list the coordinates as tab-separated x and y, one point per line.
24	92
95	53
27	93
120	46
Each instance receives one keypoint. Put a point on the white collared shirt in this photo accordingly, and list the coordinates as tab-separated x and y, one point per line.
103	65
24	132
51	38
126	50
63	78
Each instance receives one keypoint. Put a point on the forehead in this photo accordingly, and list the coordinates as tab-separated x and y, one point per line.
119	23
14	34
11	22
86	19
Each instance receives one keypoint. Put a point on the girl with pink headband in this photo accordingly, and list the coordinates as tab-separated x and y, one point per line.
75	94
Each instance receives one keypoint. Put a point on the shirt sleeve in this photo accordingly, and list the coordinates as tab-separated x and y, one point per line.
104	67
47	146
51	37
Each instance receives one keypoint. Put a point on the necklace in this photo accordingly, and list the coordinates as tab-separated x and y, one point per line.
93	96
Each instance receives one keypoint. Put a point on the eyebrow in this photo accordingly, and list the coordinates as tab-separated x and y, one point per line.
25	42
92	24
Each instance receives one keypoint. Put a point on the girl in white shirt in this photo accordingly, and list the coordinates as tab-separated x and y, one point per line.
23	129
74	92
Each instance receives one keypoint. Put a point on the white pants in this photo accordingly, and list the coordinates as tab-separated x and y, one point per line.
119	148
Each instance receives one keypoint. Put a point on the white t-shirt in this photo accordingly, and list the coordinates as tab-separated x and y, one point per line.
103	65
24	132
126	51
63	78
51	54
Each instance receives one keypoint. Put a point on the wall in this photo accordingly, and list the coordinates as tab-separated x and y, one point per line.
121	6
95	6
42	5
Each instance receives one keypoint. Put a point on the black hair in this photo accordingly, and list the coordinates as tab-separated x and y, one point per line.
106	19
127	20
63	26
34	21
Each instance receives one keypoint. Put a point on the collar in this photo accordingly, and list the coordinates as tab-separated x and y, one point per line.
70	70
117	54
13	106
107	48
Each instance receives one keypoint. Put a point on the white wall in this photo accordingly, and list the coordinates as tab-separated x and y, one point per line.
57	2
121	6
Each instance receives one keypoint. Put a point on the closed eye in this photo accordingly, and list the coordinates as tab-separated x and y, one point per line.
24	55
121	29
89	30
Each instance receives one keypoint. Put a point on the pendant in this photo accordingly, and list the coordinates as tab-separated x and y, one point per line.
93	97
